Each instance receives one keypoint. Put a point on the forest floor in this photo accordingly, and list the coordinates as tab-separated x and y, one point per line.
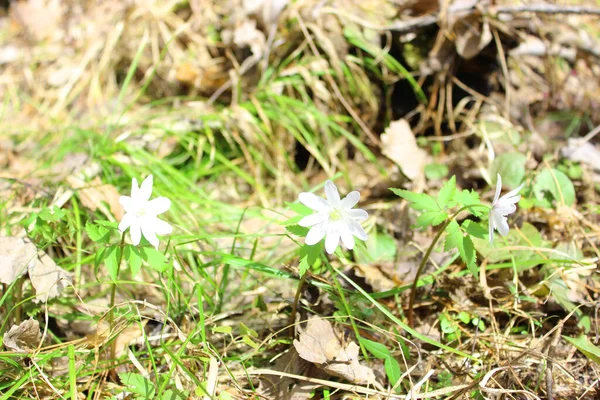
235	108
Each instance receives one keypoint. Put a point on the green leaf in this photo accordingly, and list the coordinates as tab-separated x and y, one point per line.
308	257
97	233
556	184
475	229
466	250
111	261
464	317
297	230
379	247
171	394
454	236
583	344
52	214
528	237
435	171
447	193
393	371
377	349
137	384
430	218
468	198
419	201
134	259
511	167
155	259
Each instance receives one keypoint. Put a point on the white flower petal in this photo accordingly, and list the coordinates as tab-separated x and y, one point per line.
161	227
357	230
501	224
316	234
350	200
146	189
126	202
126	221
149	233
158	205
514	193
333	238
135	231
358	214
313	219
503	208
314	202
135	189
347	239
332	194
498	189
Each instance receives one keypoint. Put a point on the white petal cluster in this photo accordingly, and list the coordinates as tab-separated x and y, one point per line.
141	213
334	218
501	208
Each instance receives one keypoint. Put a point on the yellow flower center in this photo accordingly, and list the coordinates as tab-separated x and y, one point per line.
335	215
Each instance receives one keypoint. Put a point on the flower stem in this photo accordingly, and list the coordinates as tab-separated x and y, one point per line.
413	289
113	293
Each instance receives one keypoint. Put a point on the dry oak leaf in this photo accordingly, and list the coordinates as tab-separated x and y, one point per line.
47	278
398	143
320	344
94	193
24	337
16	255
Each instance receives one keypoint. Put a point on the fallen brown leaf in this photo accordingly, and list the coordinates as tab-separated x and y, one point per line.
320	344
24	337
47	278
16	255
94	193
398	143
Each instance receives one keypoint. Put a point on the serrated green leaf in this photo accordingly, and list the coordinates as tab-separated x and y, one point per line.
467	253
475	229
583	344
171	394
466	197
98	260
155	259
393	372
111	261
418	201
377	349
430	218
454	236
97	233
303	266
297	230
137	384
134	259
447	193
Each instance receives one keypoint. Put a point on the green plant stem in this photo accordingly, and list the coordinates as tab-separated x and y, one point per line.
337	285
413	289
113	293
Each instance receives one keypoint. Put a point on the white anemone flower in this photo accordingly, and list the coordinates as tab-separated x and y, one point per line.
141	213
501	208
334	218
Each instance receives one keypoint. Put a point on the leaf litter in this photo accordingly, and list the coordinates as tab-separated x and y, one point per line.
547	69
